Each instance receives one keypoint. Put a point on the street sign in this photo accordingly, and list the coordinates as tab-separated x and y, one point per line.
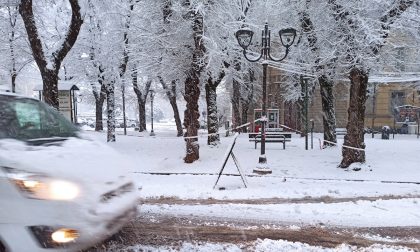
65	104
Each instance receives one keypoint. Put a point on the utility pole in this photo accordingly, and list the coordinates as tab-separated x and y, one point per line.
152	96
123	103
304	81
312	133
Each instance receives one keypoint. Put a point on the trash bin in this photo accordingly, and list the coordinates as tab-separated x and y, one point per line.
386	131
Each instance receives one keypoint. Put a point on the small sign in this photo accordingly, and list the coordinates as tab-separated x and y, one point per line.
65	104
64	100
229	152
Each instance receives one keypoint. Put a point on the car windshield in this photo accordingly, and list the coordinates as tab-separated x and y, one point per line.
27	119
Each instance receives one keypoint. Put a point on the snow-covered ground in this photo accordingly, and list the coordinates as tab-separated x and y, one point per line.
265	245
305	187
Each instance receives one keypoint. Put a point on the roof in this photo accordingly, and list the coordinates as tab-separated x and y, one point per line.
62	86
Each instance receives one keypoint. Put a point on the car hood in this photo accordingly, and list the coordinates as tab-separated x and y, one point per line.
81	160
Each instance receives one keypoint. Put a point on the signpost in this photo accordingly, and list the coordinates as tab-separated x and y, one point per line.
67	99
229	152
65	104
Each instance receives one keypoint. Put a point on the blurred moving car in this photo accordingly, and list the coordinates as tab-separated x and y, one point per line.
59	190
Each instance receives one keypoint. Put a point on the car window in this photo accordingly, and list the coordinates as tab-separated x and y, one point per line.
27	119
28	115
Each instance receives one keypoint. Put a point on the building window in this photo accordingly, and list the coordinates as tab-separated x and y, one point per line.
397	99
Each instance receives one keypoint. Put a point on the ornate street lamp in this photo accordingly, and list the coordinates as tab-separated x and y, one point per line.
152	96
244	37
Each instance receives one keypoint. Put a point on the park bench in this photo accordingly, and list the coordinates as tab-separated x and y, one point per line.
272	135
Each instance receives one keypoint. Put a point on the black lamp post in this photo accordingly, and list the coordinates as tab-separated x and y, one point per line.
244	37
123	107
305	93
152	95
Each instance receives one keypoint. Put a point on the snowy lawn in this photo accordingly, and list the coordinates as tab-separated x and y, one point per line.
384	192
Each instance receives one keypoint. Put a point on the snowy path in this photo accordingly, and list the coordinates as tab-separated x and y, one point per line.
153	232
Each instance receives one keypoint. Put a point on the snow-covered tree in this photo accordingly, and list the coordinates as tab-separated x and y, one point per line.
342	39
104	53
322	66
13	44
361	31
48	50
160	47
141	94
192	82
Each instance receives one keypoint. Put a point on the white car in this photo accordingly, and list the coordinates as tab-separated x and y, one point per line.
59	189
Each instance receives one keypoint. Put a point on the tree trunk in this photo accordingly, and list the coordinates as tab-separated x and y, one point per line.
50	91
212	122
356	118
191	116
328	110
142	115
14	75
110	108
177	118
171	94
236	103
245	108
141	99
49	65
192	91
99	101
12	21
99	104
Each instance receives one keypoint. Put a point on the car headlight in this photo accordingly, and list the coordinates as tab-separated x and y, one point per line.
38	186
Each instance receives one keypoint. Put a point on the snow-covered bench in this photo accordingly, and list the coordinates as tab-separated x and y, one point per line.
273	137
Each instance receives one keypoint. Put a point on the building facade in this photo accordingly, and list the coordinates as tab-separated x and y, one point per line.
388	104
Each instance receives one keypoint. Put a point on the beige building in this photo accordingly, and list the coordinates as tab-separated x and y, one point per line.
392	104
